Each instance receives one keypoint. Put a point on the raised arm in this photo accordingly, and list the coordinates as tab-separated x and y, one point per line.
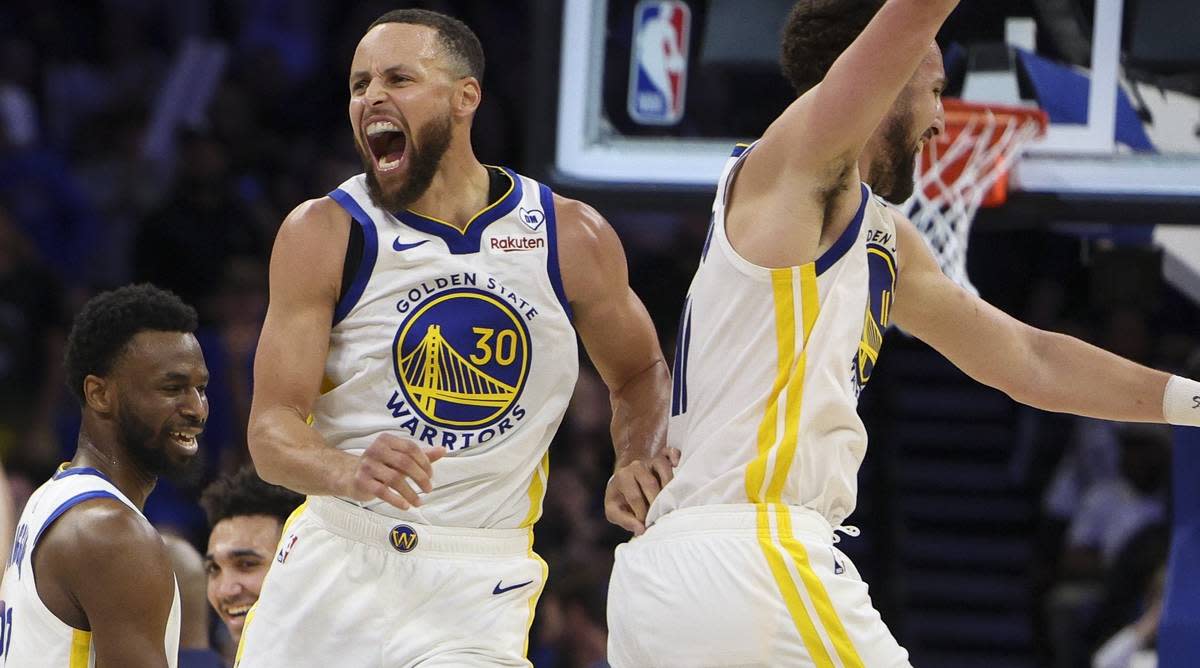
826	128
107	571
620	340
1042	369
798	188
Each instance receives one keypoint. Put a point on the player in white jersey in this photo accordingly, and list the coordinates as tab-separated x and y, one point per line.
89	581
803	271
411	385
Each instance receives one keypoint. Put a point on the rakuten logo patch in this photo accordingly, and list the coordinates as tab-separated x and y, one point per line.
510	244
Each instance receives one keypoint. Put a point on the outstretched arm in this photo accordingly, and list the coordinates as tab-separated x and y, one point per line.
1042	369
620	340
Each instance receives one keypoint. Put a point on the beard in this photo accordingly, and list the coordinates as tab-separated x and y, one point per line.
423	155
149	451
893	175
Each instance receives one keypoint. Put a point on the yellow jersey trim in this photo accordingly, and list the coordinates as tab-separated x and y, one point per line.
511	184
81	648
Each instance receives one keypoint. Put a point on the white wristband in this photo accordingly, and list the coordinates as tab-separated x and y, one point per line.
1181	402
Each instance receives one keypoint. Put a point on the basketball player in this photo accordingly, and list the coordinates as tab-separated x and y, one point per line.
246	516
738	566
424	315
89	582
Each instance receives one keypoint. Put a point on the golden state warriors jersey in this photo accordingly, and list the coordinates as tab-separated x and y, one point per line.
769	365
30	635
460	340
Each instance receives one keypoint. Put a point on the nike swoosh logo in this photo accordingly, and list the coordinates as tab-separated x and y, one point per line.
397	246
500	590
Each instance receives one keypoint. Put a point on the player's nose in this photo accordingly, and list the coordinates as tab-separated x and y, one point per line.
375	93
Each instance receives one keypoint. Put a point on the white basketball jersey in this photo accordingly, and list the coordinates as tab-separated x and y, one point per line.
30	635
769	365
460	340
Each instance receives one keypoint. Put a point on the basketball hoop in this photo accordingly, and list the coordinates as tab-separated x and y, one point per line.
964	168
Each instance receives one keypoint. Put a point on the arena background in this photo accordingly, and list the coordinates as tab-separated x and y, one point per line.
145	140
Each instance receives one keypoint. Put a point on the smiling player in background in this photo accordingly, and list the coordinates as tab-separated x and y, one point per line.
90	581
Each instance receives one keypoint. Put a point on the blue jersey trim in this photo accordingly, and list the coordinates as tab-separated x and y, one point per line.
739	150
80	470
464	242
844	242
67	505
370	254
712	222
552	266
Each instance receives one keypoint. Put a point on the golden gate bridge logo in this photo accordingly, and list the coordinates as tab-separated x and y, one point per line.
881	268
462	359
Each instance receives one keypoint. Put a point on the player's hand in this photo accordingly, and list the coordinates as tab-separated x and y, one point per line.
386	467
633	487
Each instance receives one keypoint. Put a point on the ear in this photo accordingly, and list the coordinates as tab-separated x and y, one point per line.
99	394
468	97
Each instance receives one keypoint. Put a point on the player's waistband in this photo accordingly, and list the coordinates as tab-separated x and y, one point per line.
358	524
738	518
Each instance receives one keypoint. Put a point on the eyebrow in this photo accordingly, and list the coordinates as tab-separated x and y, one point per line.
179	376
354	76
941	82
243	552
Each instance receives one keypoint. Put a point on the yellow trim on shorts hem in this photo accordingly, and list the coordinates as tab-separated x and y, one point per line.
81	648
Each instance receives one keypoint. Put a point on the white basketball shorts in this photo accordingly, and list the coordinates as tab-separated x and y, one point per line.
742	585
350	587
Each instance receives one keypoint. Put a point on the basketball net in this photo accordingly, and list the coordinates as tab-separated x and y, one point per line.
964	168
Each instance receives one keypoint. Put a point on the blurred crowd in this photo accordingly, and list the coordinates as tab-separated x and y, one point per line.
152	141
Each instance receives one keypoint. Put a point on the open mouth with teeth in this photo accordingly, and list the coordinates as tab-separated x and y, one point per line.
185	440
237	612
387	143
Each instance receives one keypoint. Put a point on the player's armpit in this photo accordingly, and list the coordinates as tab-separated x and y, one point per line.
305	279
113	564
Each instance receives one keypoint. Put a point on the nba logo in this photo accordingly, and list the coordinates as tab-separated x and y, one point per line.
658	61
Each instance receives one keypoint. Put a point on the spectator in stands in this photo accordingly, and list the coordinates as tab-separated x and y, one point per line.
1114	510
1133	646
32	332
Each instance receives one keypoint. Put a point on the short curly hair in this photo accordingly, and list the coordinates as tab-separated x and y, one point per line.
244	493
459	41
110	320
816	33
